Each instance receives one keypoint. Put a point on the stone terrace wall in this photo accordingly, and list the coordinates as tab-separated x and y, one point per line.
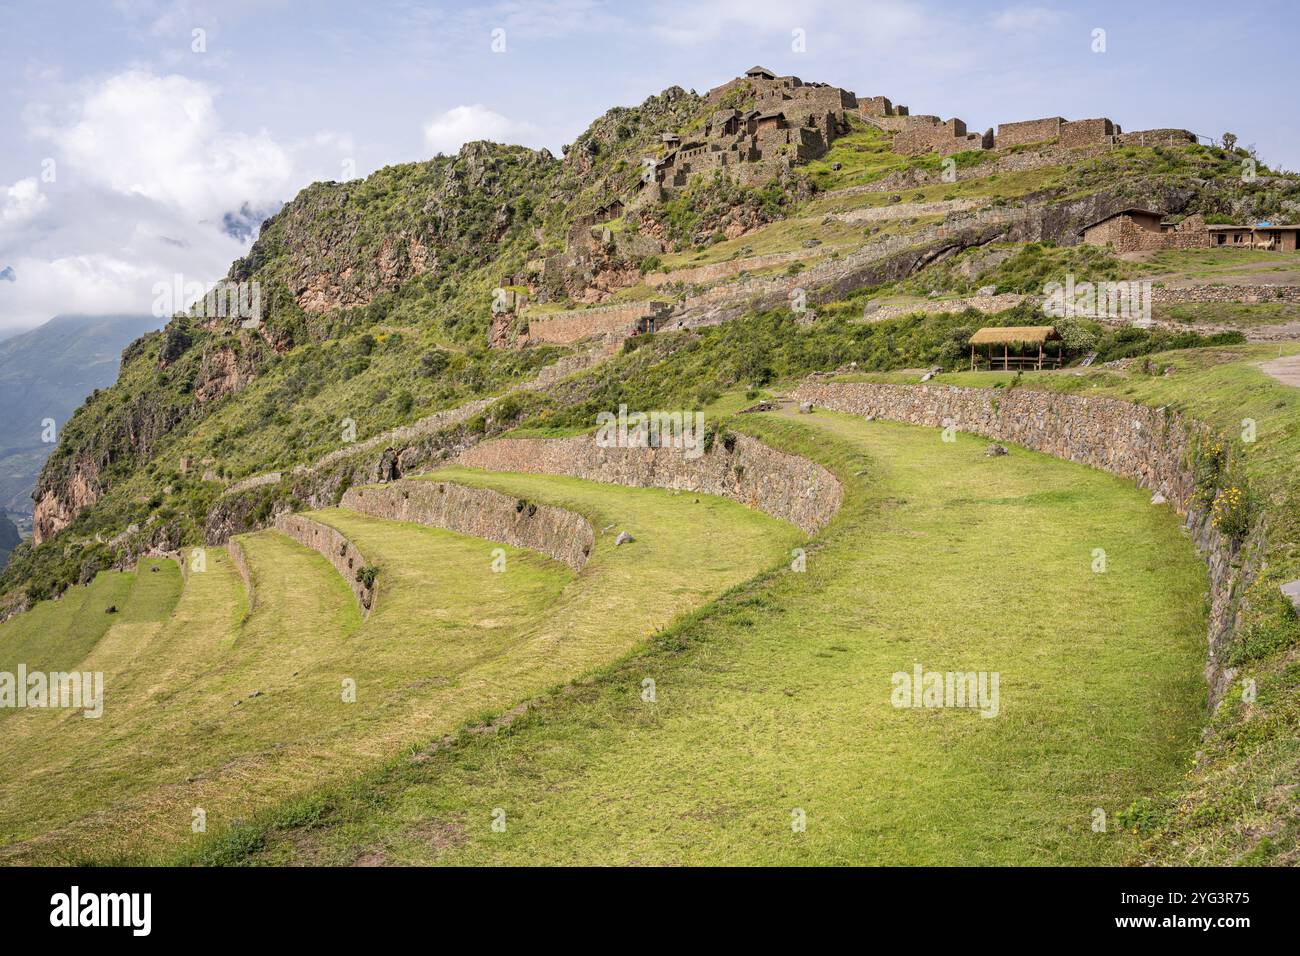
561	534
405	435
337	549
988	304
714	271
1151	446
1226	293
784	486
907	210
256	481
240	561
840	274
562	328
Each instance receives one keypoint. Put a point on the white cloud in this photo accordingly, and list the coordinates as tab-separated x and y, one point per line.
160	137
449	131
151	183
20	202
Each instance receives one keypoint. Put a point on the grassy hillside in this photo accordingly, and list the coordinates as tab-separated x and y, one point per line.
232	712
778	697
1238	802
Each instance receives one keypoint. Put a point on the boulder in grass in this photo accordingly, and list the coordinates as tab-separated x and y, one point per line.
1158	499
805	408
994	450
623	538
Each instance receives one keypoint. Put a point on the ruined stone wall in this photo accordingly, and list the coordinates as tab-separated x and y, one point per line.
875	106
742	469
1028	131
563	535
335	547
1157	137
715	271
926	134
561	328
1151	446
1087	131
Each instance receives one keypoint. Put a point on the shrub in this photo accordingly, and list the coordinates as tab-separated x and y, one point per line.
433	363
1231	511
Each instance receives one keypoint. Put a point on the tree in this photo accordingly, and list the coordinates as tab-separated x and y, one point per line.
1229	141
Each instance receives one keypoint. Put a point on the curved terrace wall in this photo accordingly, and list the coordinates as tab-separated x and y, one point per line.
337	549
561	534
1152	446
784	486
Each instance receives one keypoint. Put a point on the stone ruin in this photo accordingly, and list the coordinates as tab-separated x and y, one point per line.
783	121
787	122
917	134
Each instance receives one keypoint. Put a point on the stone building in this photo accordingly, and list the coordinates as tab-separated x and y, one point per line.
786	122
926	134
1137	230
1085	132
1123	230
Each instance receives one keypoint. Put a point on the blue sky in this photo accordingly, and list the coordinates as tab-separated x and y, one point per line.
133	149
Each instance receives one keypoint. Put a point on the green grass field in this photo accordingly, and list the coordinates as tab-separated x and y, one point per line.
203	711
777	698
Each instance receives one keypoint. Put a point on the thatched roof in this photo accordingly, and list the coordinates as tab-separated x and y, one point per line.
1016	335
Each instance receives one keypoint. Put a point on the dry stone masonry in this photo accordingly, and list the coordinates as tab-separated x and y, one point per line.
336	548
1152	446
737	467
563	535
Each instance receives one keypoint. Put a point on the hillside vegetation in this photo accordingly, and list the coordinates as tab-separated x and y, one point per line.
688	696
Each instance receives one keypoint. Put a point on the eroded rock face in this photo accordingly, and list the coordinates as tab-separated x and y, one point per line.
57	505
224	372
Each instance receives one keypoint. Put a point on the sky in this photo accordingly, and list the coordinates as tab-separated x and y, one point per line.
143	140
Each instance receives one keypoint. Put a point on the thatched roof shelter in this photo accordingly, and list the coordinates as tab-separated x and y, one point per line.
1016	335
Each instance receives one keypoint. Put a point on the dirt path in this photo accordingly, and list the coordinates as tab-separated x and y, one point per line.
1285	369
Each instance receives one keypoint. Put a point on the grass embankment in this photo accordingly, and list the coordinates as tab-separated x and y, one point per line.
57	635
206	712
777	697
1239	802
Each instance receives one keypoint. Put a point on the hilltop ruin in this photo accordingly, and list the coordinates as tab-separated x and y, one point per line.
766	123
